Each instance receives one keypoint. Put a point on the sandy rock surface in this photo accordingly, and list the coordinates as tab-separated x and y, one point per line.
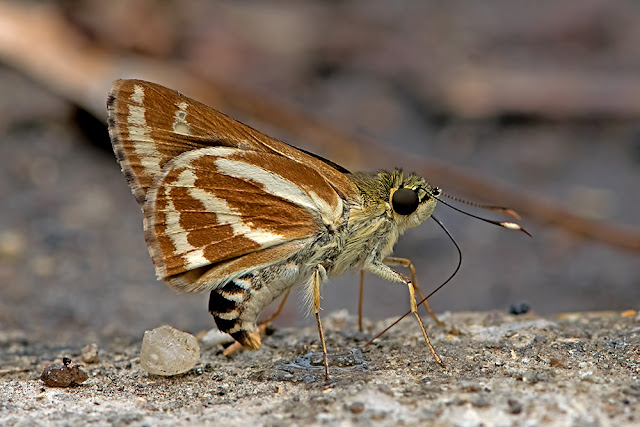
571	369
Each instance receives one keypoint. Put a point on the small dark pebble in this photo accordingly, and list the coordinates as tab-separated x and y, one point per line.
65	375
514	406
521	308
356	407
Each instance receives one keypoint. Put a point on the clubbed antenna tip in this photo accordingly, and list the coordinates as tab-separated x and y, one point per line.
514	226
499	209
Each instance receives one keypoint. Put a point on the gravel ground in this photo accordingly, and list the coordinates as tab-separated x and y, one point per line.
570	369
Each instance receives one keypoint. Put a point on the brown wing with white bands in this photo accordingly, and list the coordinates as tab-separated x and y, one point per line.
150	124
213	205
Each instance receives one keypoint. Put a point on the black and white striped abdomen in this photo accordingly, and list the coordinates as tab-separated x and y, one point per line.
235	306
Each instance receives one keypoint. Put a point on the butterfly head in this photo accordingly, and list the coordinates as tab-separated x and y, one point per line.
407	199
411	199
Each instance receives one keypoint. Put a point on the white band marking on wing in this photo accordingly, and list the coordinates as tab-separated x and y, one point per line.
140	134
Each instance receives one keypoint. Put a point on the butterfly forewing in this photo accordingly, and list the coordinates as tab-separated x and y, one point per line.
150	125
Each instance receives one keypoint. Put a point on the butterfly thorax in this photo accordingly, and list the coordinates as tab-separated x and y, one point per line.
370	226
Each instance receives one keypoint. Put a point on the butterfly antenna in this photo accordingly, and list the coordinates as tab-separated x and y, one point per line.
493	208
505	224
434	291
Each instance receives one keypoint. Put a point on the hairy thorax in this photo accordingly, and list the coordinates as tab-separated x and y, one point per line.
360	240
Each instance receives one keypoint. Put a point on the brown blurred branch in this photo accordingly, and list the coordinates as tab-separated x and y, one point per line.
40	43
552	92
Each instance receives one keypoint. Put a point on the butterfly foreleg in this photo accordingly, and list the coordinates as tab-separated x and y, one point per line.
405	262
387	273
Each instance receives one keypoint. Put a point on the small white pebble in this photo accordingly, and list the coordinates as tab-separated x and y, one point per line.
90	353
168	351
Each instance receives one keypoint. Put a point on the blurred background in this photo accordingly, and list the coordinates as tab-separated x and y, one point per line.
533	105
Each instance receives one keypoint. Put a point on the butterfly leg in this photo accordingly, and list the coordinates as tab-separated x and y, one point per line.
319	276
360	300
405	262
386	272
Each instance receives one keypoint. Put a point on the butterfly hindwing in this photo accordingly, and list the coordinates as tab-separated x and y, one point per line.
213	205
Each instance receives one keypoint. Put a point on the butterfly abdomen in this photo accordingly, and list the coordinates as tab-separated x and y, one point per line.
227	304
235	306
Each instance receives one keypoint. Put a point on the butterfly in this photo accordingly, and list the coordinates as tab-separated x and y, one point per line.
246	217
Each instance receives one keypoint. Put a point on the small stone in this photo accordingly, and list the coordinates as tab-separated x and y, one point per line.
519	308
515	407
168	351
90	353
66	374
356	407
455	331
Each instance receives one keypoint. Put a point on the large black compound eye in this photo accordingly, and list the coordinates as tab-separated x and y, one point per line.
405	201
